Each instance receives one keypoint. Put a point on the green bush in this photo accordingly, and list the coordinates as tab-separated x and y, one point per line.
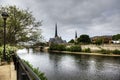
59	47
103	51
116	51
37	71
87	50
75	48
1	53
9	51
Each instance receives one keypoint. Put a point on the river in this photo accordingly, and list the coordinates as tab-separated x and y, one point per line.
59	66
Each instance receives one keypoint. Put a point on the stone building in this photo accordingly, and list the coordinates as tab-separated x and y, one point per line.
105	39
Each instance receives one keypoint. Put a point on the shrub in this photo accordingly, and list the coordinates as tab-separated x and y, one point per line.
116	51
59	47
36	71
75	48
87	50
103	51
9	51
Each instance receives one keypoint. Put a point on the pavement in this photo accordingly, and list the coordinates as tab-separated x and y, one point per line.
7	72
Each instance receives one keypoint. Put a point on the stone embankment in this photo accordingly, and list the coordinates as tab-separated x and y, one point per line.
104	46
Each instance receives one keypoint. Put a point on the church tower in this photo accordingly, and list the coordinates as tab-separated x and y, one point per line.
56	39
56	30
75	36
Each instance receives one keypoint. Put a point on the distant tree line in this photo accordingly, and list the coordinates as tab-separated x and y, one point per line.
85	39
116	37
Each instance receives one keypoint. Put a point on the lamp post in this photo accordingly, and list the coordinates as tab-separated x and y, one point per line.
5	16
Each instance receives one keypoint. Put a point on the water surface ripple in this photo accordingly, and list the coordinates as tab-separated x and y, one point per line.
58	66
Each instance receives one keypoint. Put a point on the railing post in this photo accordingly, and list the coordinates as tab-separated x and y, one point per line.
24	76
23	71
18	70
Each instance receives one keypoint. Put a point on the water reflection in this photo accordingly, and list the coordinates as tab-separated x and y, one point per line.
59	66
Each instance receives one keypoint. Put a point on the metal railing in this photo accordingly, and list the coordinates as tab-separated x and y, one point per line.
23	71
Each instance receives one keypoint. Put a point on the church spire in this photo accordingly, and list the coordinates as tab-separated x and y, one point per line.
56	30
75	34
75	37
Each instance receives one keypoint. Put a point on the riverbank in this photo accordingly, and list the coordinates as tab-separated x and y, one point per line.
83	53
94	47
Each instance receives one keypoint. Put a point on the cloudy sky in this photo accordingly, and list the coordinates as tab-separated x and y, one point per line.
92	17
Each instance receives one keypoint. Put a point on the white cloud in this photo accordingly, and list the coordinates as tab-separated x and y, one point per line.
93	17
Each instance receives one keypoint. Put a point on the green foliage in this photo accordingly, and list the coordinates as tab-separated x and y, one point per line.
1	53
19	25
99	41
87	50
116	37
71	41
75	48
37	71
116	51
84	39
39	44
53	46
59	47
9	51
103	51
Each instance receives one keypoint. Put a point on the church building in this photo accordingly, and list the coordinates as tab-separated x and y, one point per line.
56	39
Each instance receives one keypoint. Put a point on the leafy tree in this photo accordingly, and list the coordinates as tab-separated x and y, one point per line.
71	41
84	39
116	37
99	41
21	25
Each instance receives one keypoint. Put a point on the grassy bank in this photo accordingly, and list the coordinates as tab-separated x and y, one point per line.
84	53
76	49
36	71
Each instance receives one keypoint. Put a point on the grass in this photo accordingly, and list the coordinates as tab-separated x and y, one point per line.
36	71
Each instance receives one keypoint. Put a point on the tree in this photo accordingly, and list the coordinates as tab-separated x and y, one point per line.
99	41
84	39
116	37
71	41
21	25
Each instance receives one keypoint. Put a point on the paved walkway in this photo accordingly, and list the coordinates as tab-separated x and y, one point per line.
7	72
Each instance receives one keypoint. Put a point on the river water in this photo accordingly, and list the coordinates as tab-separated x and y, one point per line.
58	66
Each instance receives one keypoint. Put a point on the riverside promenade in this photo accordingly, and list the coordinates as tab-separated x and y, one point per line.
7	71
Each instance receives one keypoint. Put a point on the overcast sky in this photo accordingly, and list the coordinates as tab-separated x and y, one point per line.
92	17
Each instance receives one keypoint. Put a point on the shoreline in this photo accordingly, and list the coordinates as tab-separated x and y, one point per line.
83	53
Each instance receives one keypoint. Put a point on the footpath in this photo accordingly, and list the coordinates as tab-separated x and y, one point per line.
7	72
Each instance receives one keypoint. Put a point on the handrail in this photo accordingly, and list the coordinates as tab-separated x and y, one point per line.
24	72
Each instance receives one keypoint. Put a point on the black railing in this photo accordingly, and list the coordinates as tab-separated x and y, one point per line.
23	71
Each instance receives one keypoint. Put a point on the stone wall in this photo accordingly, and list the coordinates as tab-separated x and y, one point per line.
104	46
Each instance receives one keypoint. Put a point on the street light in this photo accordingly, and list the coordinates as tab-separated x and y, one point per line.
5	16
